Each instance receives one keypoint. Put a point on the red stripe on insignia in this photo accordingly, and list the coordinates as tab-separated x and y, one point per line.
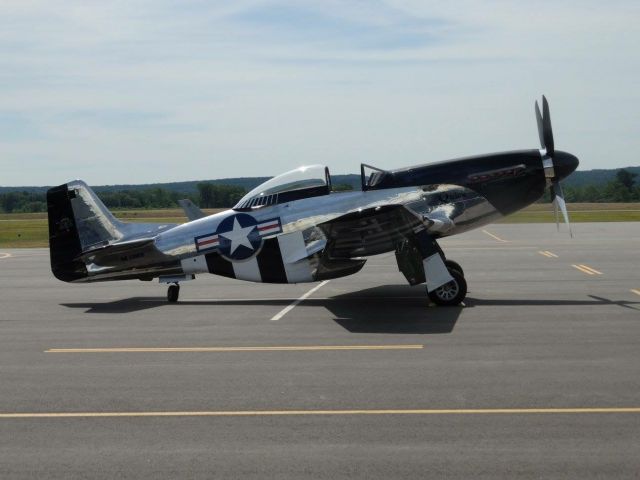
207	242
267	226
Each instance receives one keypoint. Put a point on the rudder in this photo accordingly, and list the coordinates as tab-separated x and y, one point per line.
64	241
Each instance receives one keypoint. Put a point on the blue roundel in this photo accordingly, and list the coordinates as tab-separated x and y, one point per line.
239	237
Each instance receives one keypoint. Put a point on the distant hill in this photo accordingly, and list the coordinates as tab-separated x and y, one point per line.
596	177
577	179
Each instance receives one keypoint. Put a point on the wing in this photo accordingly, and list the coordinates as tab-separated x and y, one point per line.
370	231
391	227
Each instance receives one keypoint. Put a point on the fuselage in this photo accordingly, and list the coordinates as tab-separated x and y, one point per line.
280	234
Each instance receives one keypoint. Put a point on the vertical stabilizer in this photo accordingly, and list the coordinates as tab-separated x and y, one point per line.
191	210
78	221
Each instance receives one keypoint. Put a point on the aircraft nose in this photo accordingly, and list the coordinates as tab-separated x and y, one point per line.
564	164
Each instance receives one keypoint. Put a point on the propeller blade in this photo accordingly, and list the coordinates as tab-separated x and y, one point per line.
559	199
540	126
545	133
546	139
546	123
555	207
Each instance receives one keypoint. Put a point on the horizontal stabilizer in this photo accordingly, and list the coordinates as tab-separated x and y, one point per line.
117	248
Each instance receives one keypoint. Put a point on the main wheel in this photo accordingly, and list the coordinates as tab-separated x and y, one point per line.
451	293
173	292
451	265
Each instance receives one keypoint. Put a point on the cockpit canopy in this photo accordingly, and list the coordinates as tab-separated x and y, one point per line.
303	182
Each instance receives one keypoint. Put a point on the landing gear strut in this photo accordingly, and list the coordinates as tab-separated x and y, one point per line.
173	292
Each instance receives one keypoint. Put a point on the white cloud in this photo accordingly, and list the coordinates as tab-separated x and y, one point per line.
158	91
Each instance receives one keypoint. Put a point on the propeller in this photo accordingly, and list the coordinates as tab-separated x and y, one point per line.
547	152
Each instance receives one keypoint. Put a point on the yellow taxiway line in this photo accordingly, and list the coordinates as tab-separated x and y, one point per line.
547	253
587	269
495	237
636	291
276	413
235	349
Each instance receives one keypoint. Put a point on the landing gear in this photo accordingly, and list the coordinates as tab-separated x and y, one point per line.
173	292
421	259
451	265
174	286
451	293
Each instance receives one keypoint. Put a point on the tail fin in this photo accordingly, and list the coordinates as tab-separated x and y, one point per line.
78	221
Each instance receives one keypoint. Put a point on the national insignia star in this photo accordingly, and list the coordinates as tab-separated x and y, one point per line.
238	236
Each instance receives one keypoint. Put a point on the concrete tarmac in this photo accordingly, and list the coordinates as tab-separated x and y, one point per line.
382	384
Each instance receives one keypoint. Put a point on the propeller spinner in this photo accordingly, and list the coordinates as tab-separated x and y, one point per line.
556	165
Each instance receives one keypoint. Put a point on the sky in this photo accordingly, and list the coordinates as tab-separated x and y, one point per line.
158	91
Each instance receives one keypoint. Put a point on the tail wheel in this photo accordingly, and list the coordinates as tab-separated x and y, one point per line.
173	292
452	293
451	265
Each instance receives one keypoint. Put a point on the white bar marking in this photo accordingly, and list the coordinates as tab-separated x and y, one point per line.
247	270
294	253
290	307
195	265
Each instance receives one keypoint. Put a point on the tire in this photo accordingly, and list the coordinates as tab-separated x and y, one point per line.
451	265
452	293
172	293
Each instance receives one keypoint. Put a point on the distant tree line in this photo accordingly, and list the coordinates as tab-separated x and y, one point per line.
212	195
342	187
209	196
22	202
623	188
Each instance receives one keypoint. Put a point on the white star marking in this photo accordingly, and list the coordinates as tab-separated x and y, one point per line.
238	236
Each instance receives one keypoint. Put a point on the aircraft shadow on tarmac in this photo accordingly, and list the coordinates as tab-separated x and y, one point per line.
382	309
595	301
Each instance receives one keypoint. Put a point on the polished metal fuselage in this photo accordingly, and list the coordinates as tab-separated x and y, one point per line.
463	210
443	209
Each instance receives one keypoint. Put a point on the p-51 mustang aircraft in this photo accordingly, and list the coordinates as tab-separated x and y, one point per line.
294	229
